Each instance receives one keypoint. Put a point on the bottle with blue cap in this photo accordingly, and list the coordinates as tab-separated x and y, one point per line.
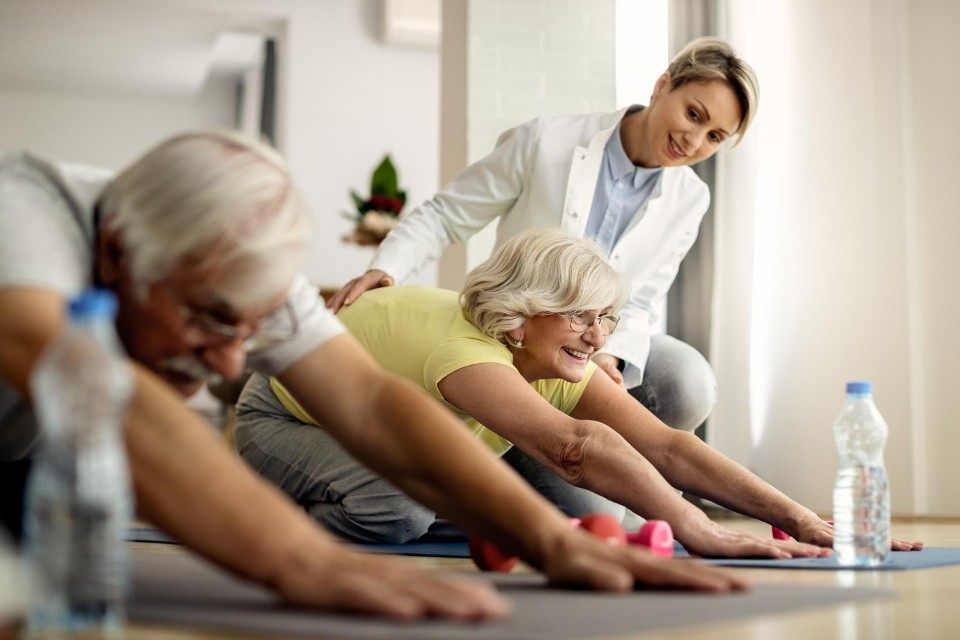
861	495
79	499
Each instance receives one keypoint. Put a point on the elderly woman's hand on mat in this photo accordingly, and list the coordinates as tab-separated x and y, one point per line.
818	532
709	539
388	586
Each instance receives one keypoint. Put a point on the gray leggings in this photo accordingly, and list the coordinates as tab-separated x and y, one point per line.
310	466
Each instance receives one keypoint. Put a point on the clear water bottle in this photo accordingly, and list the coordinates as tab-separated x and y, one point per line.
861	496
78	499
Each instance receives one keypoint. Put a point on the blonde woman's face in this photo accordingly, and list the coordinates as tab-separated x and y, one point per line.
688	124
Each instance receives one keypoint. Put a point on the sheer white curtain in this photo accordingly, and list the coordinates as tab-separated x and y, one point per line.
812	267
734	204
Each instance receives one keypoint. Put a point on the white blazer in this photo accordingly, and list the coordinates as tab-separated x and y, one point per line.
543	174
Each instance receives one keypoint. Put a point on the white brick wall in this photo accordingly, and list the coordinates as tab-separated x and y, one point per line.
528	58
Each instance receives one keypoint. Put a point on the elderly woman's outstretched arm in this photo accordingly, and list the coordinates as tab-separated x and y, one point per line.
691	465
629	462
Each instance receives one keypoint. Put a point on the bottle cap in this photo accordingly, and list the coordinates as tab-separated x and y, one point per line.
93	303
859	387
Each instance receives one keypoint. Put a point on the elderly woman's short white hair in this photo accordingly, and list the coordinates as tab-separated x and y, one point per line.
536	272
216	200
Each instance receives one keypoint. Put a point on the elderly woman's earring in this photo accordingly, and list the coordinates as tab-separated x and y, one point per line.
516	344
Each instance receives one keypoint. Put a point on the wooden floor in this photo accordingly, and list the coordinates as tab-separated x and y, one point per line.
927	604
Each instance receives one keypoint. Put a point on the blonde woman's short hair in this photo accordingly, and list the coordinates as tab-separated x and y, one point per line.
213	199
706	59
540	271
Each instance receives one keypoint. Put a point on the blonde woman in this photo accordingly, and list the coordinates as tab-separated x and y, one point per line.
623	179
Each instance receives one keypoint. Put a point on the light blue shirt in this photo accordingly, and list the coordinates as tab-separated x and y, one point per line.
622	191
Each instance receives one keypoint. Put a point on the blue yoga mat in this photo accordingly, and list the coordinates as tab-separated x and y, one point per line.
928	558
899	560
433	549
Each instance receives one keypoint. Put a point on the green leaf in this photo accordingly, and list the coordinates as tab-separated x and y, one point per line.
384	180
357	200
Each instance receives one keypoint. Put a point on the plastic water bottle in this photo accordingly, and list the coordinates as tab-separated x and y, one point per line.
78	498
861	496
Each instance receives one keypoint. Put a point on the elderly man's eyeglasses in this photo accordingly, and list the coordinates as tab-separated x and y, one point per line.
278	326
580	321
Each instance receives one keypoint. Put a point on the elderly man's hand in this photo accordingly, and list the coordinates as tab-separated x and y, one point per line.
373	584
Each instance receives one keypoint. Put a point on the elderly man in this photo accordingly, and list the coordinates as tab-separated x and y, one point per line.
201	240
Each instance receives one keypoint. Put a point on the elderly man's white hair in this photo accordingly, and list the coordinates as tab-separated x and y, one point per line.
221	201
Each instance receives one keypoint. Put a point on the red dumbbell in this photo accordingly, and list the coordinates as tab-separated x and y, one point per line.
783	535
654	534
487	557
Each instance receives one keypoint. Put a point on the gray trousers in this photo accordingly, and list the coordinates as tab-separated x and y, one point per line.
310	466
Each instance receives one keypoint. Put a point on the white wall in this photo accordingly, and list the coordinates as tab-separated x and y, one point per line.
345	100
105	130
350	99
527	58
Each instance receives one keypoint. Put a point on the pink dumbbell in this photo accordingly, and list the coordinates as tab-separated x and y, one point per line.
654	534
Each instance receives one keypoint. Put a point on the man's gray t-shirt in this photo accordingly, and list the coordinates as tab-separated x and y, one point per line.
46	240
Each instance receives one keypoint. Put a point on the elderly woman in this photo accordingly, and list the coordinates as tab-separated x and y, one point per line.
513	359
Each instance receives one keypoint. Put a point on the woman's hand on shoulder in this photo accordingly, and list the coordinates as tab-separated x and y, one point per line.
372	279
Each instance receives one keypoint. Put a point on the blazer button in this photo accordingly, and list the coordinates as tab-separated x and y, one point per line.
573	214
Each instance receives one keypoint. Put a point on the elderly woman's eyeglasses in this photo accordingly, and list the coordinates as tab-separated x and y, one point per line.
278	326
580	321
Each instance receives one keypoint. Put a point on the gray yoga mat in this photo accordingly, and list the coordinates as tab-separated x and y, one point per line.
178	589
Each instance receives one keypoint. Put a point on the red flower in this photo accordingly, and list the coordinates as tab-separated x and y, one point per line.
389	204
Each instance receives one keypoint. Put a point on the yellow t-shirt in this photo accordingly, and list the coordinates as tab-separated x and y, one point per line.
422	334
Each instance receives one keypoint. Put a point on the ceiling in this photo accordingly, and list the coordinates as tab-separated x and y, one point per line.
140	47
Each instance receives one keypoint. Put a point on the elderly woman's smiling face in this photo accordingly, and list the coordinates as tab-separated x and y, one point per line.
560	345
